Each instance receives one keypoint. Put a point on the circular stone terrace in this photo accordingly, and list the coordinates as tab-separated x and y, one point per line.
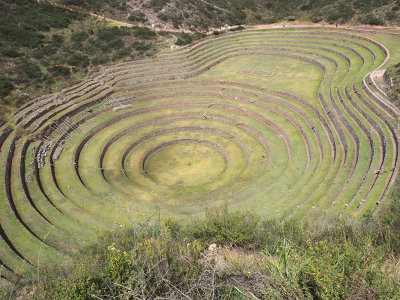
285	123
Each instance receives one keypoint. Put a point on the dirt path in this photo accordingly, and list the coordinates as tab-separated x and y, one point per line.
323	25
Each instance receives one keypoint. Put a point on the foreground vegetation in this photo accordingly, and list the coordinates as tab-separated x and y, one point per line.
231	255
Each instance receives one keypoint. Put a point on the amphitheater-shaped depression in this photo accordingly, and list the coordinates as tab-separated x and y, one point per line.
279	122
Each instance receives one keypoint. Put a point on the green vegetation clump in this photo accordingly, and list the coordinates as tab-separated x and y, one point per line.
393	75
97	5
188	38
5	86
157	5
231	256
137	17
342	13
370	19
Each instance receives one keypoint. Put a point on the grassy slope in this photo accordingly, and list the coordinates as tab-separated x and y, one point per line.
248	259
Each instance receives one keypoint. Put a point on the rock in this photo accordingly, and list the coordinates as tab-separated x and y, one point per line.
212	247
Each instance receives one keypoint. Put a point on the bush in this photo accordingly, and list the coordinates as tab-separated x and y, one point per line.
121	53
79	36
59	71
392	15
163	17
141	46
6	87
370	19
147	260
115	44
111	33
236	17
9	52
28	69
57	40
157	5
342	12
137	17
78	60
144	33
101	59
184	39
234	229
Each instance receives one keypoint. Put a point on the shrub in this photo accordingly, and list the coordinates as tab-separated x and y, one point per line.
6	87
234	229
141	46
342	12
111	33
236	17
9	52
21	37
306	6
79	36
148	261
57	40
392	15
122	53
163	17
157	5
59	71
137	17
78	60
115	44
28	69
101	59
370	19
144	33
184	39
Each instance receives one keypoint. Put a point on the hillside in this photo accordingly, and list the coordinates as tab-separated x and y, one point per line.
201	14
44	48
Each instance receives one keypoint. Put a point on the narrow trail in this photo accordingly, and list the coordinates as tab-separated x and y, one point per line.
366	28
